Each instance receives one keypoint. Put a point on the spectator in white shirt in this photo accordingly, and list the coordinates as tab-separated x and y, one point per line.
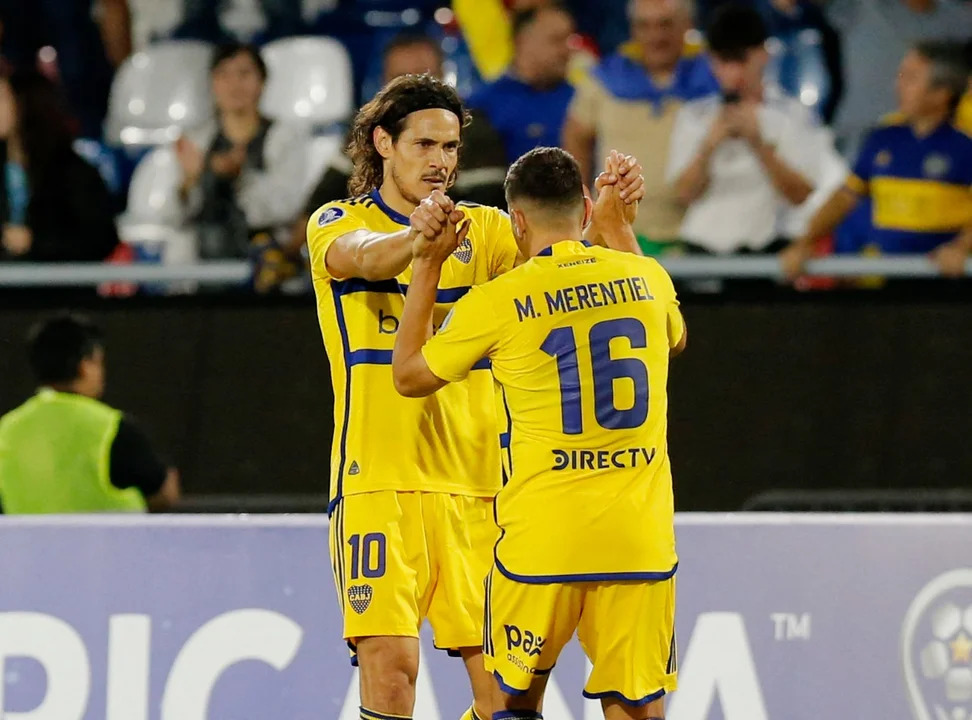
740	161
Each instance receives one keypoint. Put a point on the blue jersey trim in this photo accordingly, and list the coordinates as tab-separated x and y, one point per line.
393	287
615	695
581	577
383	206
508	689
517	715
508	434
372	356
345	347
548	251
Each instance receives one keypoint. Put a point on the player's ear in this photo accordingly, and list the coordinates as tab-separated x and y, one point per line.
588	208
383	142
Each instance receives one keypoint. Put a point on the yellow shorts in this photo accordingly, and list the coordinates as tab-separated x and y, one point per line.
401	557
627	630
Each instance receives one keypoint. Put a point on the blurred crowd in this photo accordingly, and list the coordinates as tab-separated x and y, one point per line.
182	130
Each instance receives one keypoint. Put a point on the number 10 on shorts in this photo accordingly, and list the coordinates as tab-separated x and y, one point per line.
367	555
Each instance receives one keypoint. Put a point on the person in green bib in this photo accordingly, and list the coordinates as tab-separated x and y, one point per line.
65	451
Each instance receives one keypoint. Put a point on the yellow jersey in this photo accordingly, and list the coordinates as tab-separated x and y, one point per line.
383	441
579	338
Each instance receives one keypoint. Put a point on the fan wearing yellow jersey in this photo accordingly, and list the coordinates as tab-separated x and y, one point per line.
579	337
412	481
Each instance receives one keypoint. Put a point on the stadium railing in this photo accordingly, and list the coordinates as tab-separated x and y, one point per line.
236	272
911	500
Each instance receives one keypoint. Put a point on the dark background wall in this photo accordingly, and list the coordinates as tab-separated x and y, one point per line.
778	391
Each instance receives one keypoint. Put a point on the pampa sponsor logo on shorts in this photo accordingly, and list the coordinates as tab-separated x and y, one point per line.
936	647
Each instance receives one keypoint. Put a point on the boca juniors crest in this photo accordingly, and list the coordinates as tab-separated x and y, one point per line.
359	596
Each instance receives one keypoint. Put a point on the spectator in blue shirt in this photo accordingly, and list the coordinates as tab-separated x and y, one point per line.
528	104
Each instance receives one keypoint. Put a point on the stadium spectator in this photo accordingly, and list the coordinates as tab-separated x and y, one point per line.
90	37
740	159
483	165
238	172
527	105
630	101
64	451
916	170
54	207
876	34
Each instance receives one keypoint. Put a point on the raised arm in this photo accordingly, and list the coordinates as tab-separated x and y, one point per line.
619	190
441	229
369	255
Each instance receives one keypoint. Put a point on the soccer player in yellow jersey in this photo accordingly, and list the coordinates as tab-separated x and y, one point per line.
412	481
579	338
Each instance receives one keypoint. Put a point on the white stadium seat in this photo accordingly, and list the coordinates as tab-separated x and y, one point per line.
159	91
310	81
153	196
320	151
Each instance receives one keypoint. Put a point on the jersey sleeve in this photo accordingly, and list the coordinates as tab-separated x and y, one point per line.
500	242
325	226
860	176
663	289
469	334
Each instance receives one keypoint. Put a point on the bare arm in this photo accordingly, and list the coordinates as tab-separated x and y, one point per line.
411	372
787	181
828	217
680	345
832	214
116	30
168	495
578	140
370	255
694	179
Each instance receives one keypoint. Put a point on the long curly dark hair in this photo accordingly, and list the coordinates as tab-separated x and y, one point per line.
389	109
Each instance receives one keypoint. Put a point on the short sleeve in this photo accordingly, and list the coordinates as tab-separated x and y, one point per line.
583	106
799	144
469	333
325	226
500	242
687	135
133	462
863	169
663	289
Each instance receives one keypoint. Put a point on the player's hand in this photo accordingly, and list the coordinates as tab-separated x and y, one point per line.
191	159
17	239
610	210
432	214
951	258
437	250
229	163
793	259
630	182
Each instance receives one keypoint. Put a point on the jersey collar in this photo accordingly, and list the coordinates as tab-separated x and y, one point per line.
383	206
562	247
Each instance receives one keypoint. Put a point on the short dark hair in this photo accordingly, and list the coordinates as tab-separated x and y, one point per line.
231	50
411	39
546	176
389	109
57	346
734	30
949	67
523	18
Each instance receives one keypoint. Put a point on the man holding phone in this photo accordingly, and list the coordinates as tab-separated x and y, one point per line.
740	160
